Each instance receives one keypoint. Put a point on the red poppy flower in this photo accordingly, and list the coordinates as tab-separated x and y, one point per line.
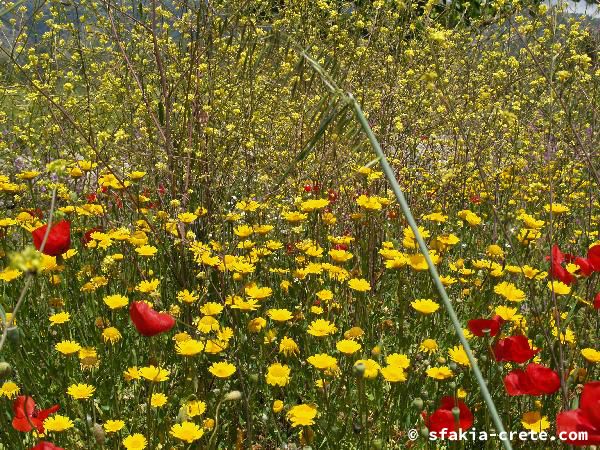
534	380
586	418
593	258
148	321
91	198
59	238
332	195
479	327
557	271
27	416
307	188
585	268
514	349
443	419
597	301
43	445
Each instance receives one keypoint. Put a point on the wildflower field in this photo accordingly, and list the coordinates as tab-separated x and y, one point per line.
298	224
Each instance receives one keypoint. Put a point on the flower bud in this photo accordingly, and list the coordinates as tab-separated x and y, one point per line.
418	403
359	370
98	433
456	412
233	396
5	370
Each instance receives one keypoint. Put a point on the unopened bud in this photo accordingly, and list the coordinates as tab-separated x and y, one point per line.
5	369
359	370
98	433
418	403
233	396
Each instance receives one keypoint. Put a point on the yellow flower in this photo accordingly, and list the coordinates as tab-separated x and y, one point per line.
559	288
116	301
322	361
556	208
277	406
278	375
321	327
370	366
111	334
359	284
313	204
186	296
57	423
187	217
136	175
288	346
154	374
81	391
398	360
425	306
67	347
393	374
294	216
147	286
158	400
189	347
428	346
279	315
211	309
135	441
258	293
302	415
59	318
459	356
348	346
509	291
9	274
195	408
186	431
112	426
592	355
439	373
132	373
534	421
146	250
222	369
9	389
506	312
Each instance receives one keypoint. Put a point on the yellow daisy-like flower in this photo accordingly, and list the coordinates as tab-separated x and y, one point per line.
393	374
9	389
147	286
348	346
57	423
116	301
67	347
398	360
186	296
112	426
222	369
111	334
278	375
559	288
428	346
371	367
154	374
81	391
146	250
321	327
592	355
186	431
302	415
59	318
288	346
187	217
189	347
322	361
534	421
195	408
440	373
135	441
277	406
211	309
425	306
280	315
509	291
359	284
459	356
158	400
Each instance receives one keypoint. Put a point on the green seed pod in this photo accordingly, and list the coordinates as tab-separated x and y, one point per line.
424	432
359	370
5	370
418	403
377	444
99	434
